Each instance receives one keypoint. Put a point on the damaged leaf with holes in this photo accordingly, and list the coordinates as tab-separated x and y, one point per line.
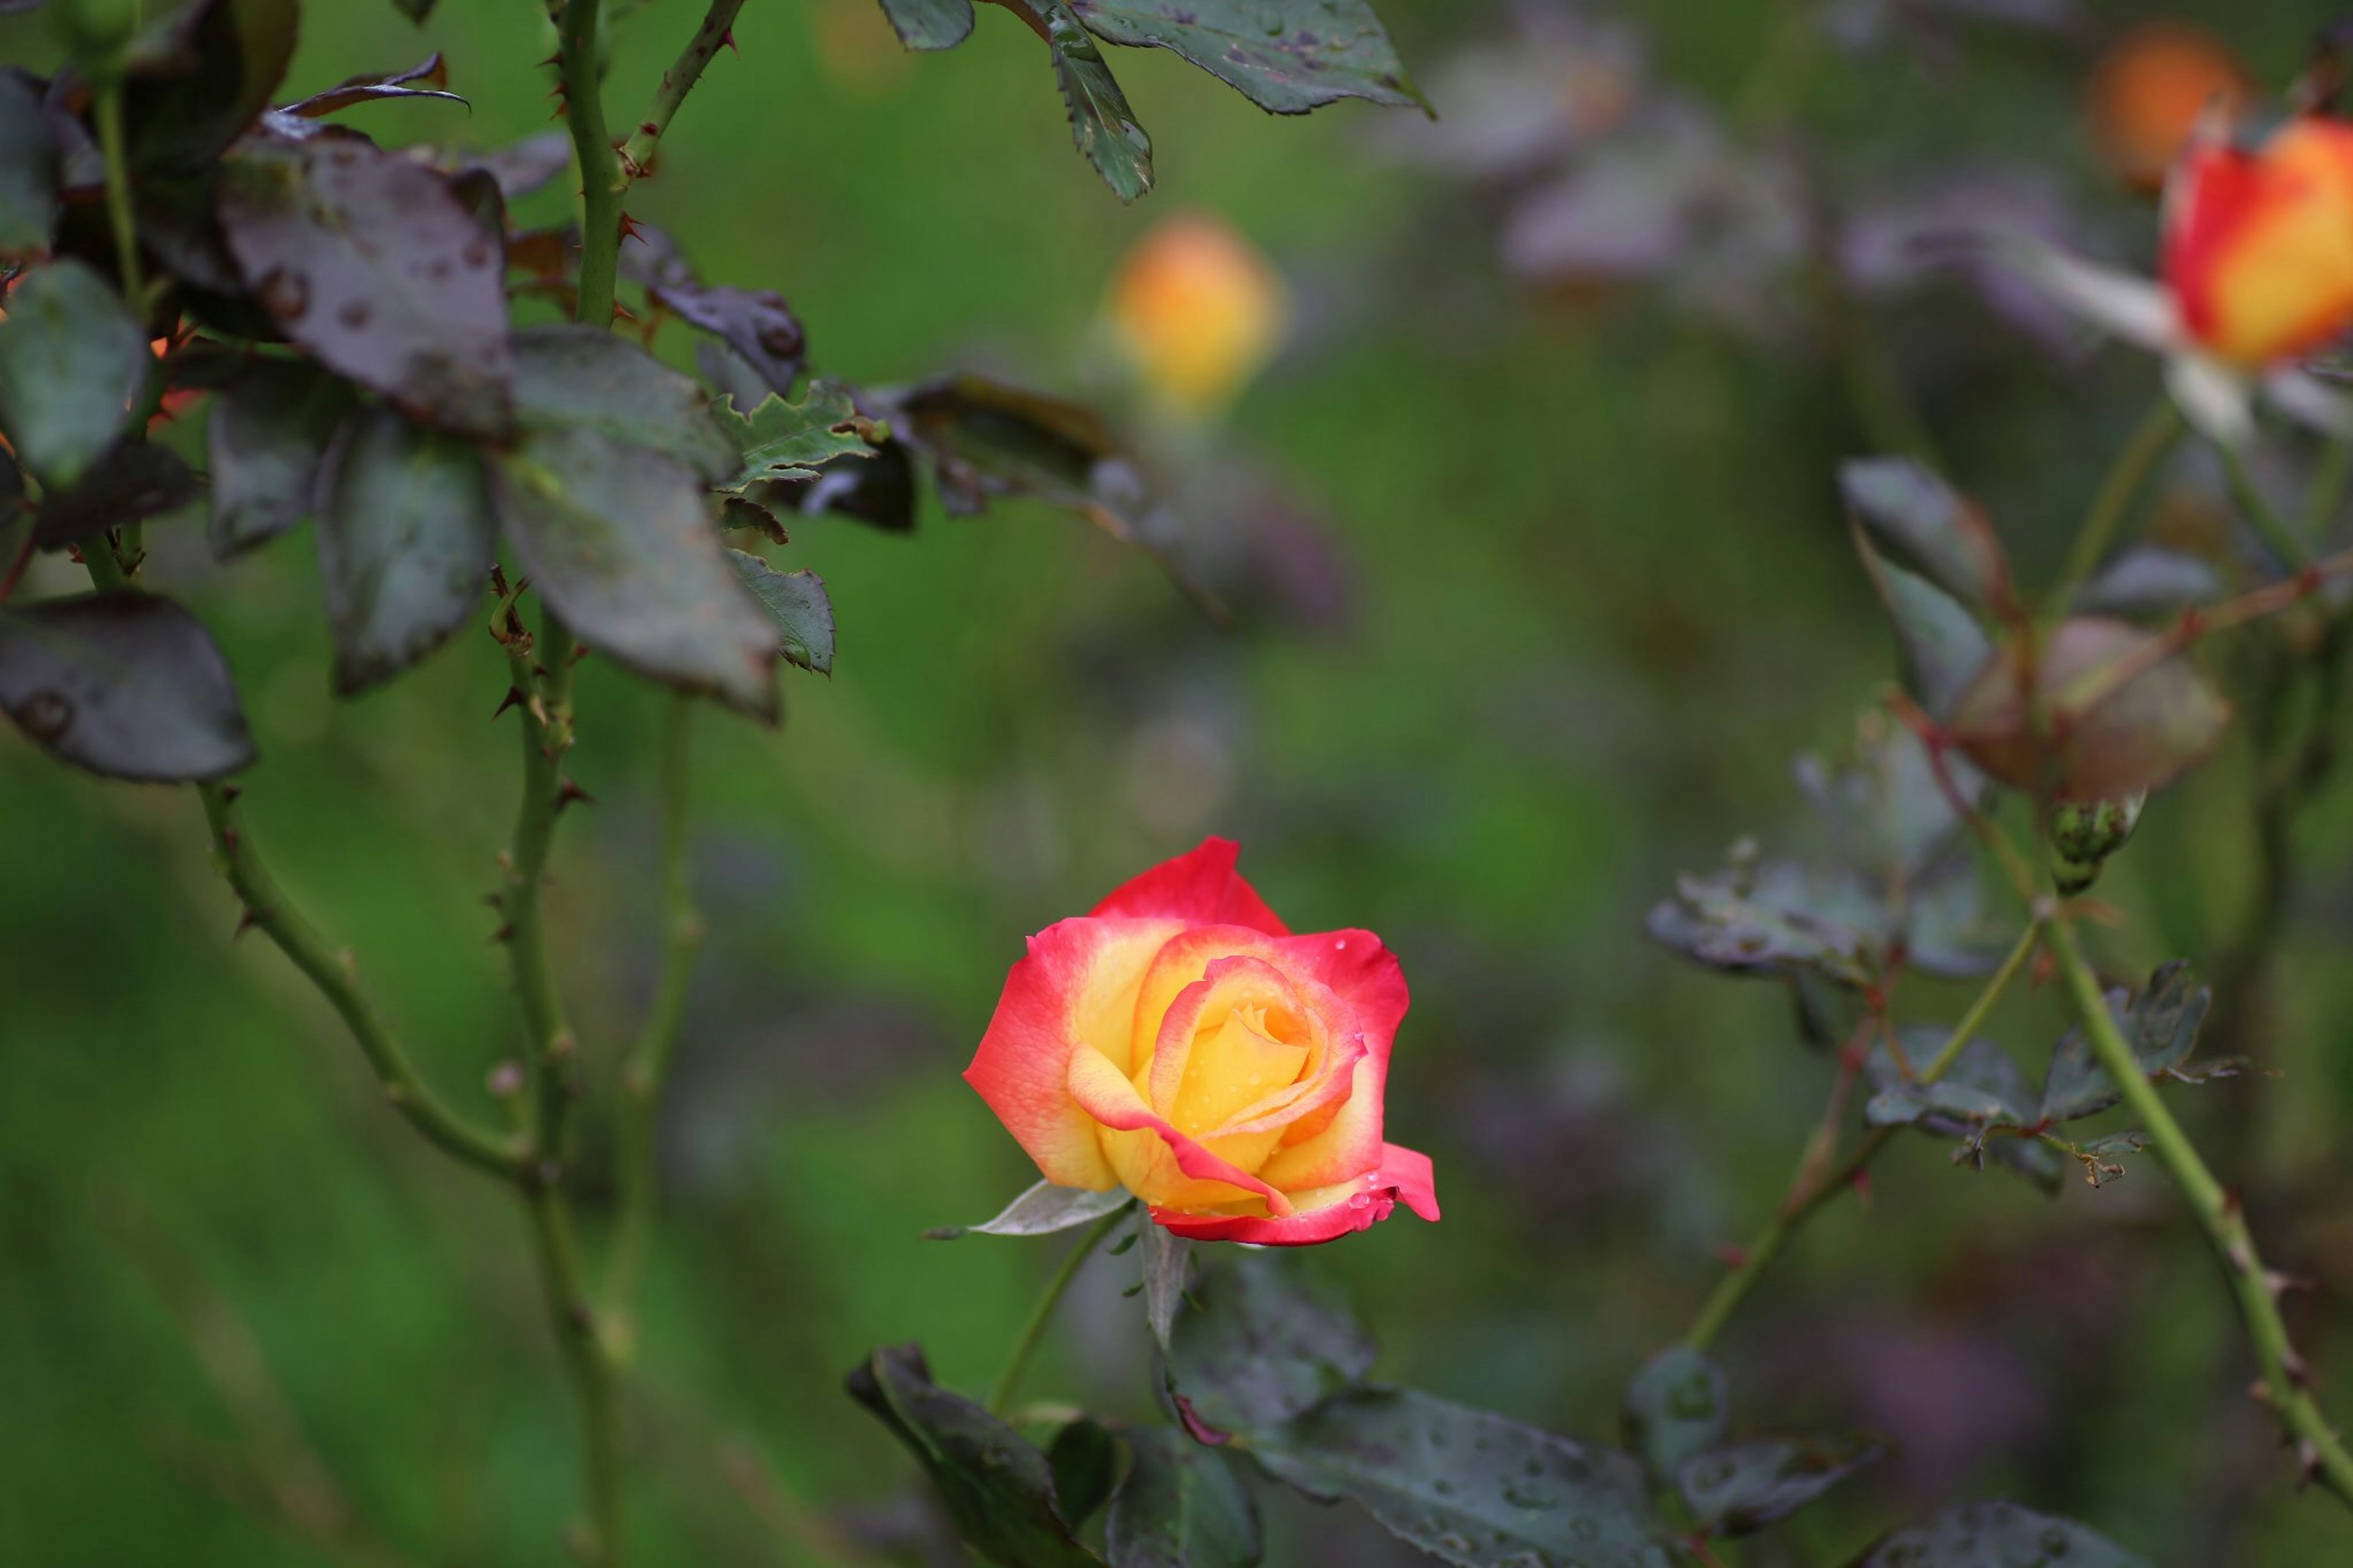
2161	1023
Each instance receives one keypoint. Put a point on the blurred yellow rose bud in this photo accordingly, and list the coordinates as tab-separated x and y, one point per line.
2148	90
2258	247
1197	310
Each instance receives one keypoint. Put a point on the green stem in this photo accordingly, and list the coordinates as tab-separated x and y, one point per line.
578	44
647	1067
2149	441
1000	1399
676	83
269	911
118	192
2291	547
1811	1188
2285	1380
547	735
585	1360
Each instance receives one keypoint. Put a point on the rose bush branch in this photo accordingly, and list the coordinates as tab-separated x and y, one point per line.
716	32
579	48
2286	1381
1033	1332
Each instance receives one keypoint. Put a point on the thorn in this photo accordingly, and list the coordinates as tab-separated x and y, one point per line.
496	901
505	858
555	59
727	41
2298	1370
244	922
2279	1282
579	651
503	935
513	699
622	313
631	229
2307	1462
2258	1392
232	794
228	839
539	709
569	791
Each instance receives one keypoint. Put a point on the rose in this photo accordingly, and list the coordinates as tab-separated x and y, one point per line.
2259	246
1180	1042
1197	310
2149	92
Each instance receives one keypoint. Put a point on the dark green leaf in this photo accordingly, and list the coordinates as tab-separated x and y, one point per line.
1774	918
880	491
1084	1460
2107	740
930	24
180	112
29	168
782	440
135	480
1260	1347
366	89
72	361
1469	1486
999	1489
1675	1407
1042	1210
127	685
405	535
1101	122
1286	56
269	429
368	259
1167	1261
988	440
1884	804
1996	1536
803	616
1921	525
1942	645
1741	1488
618	540
2160	1023
1181	1506
1982	1089
594	380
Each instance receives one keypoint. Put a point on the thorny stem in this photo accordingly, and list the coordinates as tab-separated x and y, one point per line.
647	1067
2285	1380
336	976
1000	1398
585	1359
118	192
2149	441
547	735
715	33
1817	1181
578	35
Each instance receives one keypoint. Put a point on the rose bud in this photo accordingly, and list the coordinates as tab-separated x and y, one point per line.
2259	246
2149	91
2085	833
1197	310
1181	1043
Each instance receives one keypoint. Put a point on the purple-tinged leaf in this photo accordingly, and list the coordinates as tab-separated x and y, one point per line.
208	82
126	685
73	360
1287	57
134	480
29	168
1923	525
353	90
269	429
1738	1489
1996	1536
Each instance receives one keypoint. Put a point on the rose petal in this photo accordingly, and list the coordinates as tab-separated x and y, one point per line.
1364	973
1183	962
1152	1155
1199	888
1075	988
1349	1145
1226	983
1405	1175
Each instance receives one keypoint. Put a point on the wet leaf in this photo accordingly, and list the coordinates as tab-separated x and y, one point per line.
1674	1407
181	109
999	1489
135	480
755	324
29	168
1943	647
269	429
2160	1023
404	537
1167	1261
353	90
618	542
372	262
1181	1506
1260	1347
1921	524
1983	1089
72	361
1286	56
1041	1211
2107	740
1741	1488
583	377
1102	124
930	24
1084	1459
126	685
1996	1536
1469	1486
803	614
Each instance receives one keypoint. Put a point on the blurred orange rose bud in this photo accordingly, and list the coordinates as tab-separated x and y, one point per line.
2148	90
2258	249
1181	1043
1197	310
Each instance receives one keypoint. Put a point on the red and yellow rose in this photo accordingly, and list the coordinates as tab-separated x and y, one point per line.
1180	1042
2259	245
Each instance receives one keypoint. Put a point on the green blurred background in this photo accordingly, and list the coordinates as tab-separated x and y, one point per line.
1558	587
